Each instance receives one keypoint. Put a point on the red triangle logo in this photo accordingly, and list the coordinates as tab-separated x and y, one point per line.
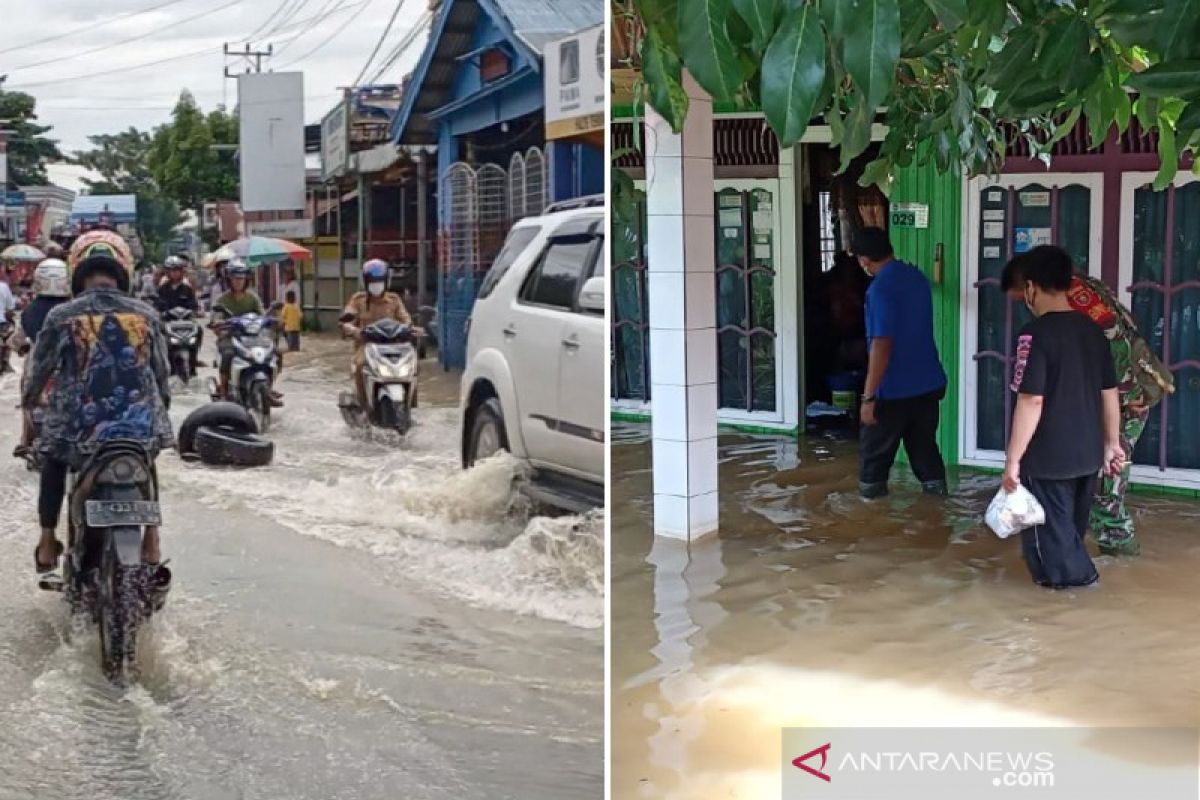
822	751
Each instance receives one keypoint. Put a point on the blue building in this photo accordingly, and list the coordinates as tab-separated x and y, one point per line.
477	95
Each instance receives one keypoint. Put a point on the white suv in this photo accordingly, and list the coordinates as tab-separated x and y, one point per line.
534	381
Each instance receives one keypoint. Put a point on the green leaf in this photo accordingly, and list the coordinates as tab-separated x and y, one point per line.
663	15
1010	67
857	137
1168	157
872	46
1122	106
1068	41
1187	126
1082	73
1098	124
1066	126
1034	97
915	21
951	14
705	47
989	16
878	173
664	80
761	16
1135	30
793	72
1179	30
836	14
1167	79
1146	109
925	46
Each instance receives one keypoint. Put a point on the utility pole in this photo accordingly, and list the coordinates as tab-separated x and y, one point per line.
252	59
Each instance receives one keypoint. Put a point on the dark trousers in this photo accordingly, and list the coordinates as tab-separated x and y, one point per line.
293	340
1054	552
53	491
913	421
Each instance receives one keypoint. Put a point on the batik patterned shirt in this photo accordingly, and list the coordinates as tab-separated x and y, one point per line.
107	355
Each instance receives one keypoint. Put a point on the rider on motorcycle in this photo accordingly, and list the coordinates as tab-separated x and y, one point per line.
238	300
107	355
366	308
51	288
177	292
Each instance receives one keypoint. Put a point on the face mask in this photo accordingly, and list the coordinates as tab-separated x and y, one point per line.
1029	298
376	289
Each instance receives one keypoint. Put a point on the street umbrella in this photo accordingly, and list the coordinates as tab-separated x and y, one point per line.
261	250
22	252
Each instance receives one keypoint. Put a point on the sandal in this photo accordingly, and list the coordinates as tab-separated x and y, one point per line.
41	568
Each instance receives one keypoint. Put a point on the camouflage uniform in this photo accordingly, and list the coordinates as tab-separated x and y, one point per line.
107	355
1143	381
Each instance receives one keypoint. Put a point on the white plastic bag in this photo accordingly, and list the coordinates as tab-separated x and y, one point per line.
1009	513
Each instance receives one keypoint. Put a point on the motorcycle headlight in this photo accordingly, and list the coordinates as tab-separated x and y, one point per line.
259	353
396	369
123	471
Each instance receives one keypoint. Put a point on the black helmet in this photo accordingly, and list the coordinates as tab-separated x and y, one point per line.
99	263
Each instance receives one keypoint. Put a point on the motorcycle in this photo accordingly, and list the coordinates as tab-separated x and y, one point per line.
390	374
113	500
183	333
255	363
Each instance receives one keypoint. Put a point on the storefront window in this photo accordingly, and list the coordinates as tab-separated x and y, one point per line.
630	323
1166	275
1013	220
746	299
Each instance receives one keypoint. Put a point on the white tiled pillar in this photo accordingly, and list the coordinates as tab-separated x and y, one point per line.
683	338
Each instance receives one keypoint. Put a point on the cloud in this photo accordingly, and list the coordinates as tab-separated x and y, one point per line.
78	100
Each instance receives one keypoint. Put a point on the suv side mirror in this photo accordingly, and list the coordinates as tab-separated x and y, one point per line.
592	296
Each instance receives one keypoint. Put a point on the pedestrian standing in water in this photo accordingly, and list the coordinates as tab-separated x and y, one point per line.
1066	424
905	382
1143	380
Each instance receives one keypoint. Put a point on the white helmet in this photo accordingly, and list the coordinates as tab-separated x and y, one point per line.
50	279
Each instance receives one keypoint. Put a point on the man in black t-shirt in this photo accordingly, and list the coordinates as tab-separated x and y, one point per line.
1066	424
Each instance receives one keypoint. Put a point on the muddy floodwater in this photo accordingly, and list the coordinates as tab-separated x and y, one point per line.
814	607
360	620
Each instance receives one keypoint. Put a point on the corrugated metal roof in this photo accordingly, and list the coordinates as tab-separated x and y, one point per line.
541	21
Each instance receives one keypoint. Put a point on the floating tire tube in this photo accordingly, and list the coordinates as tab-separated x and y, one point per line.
214	415
226	447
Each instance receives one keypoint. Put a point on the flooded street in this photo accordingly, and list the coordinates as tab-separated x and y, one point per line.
816	608
362	619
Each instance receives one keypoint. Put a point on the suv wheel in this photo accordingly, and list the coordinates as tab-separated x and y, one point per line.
488	436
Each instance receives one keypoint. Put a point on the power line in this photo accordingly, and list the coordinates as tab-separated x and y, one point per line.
379	44
416	30
78	54
89	27
332	36
268	20
319	16
210	50
286	18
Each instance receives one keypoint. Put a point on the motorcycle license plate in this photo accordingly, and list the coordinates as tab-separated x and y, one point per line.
113	513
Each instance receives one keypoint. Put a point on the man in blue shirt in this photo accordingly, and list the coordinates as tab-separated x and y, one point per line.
905	380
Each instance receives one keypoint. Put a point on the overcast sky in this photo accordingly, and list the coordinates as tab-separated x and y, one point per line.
78	100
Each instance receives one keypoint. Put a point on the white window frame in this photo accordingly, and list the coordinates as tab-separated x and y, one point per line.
785	311
969	452
1176	477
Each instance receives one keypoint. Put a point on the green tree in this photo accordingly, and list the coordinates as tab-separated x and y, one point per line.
121	161
959	79
184	163
28	148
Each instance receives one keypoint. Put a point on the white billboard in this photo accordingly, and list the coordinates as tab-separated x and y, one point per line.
335	145
574	84
271	106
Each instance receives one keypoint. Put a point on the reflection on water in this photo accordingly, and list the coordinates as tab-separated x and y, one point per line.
814	607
